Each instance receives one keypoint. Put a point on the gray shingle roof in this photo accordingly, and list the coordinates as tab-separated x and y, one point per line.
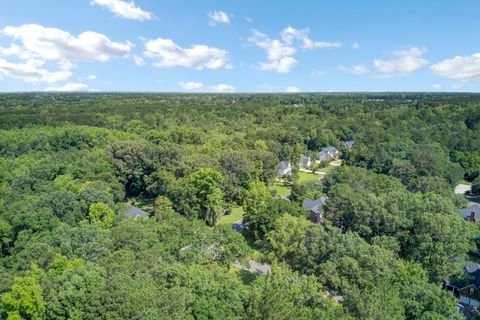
327	152
348	144
466	212
316	205
304	160
134	212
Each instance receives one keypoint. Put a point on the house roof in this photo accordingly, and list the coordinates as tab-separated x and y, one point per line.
304	159
284	165
466	212
314	205
134	212
329	150
349	144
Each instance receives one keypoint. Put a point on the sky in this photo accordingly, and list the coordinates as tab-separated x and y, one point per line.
239	45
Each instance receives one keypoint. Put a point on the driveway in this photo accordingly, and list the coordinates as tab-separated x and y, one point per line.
254	267
462	188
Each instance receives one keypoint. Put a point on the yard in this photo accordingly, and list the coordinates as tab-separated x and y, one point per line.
281	189
237	214
307	176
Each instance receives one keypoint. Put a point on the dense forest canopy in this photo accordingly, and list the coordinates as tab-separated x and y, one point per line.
70	164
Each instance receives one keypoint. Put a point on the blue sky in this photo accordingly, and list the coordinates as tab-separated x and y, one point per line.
241	46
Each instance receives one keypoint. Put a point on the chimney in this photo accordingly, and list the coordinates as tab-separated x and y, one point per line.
472	216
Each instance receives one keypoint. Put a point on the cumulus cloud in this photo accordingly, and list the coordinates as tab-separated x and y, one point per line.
217	17
69	87
170	54
92	77
357	69
38	45
293	89
465	68
355	45
436	86
32	71
124	9
290	34
191	86
280	52
56	44
404	62
222	88
138	61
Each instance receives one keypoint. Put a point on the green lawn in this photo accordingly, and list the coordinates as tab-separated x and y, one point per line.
281	189
307	176
327	169
237	214
468	183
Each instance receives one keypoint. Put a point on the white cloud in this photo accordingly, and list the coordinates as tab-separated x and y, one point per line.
191	86
280	52
357	69
92	77
170	54
404	62
138	61
39	45
56	44
217	17
69	87
248	19
355	45
436	86
459	68
124	9
293	89
32	71
222	88
290	34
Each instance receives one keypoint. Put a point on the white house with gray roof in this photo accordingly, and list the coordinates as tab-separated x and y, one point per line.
305	162
284	169
329	153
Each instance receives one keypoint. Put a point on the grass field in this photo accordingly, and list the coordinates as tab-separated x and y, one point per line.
465	182
281	189
237	214
307	176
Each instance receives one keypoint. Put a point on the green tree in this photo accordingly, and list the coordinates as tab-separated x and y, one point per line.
25	298
100	212
207	187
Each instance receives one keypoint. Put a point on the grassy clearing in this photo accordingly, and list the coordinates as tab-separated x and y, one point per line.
307	176
465	182
281	189
237	214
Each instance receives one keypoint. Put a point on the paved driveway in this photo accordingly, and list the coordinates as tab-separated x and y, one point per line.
462	188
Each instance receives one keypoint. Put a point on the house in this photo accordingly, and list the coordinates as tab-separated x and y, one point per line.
305	162
329	153
284	169
134	213
466	286
348	144
471	213
316	208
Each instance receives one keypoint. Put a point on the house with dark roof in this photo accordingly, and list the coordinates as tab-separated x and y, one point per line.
284	169
471	213
305	162
466	286
316	208
329	153
348	144
134	213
